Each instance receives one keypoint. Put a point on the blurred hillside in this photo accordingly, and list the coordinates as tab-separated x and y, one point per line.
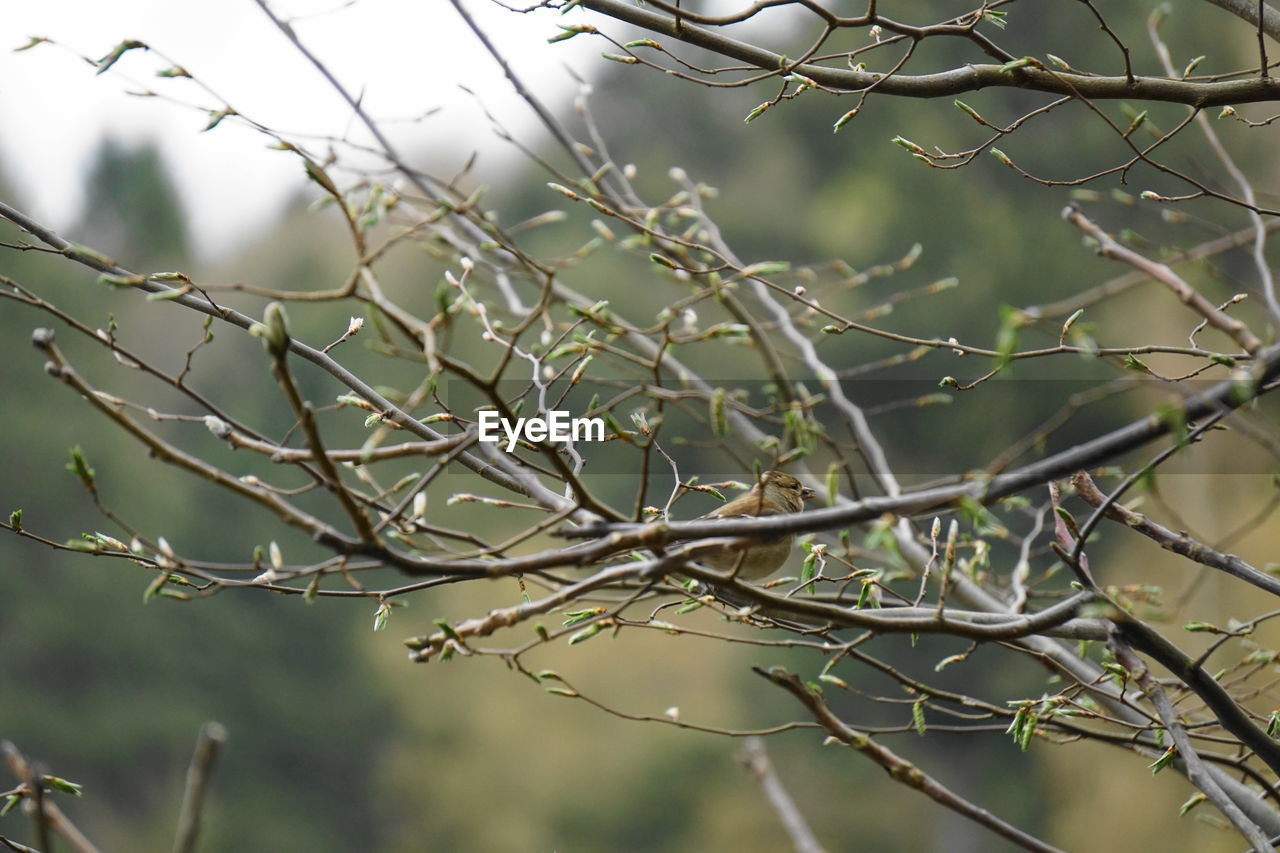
337	743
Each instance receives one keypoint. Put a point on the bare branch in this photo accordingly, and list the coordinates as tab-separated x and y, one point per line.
898	768
1196	770
1247	10
757	761
956	81
1178	543
1108	247
208	744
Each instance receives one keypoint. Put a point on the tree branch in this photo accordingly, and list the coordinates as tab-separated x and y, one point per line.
212	737
58	821
955	81
1232	717
1195	766
757	761
1227	395
1247	10
1178	543
898	768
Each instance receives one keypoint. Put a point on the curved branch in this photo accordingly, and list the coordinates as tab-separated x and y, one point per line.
1247	10
958	80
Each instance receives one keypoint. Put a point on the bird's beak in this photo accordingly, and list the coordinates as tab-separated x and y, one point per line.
807	494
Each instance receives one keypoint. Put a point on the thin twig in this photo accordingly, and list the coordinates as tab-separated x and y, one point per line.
61	824
1178	543
1109	248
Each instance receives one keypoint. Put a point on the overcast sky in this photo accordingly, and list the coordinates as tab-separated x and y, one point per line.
408	56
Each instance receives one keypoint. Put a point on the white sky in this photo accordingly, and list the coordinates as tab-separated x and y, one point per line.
407	55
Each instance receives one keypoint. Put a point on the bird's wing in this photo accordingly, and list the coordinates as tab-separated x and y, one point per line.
720	513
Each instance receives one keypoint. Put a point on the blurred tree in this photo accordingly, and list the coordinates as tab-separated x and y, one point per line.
119	697
132	208
949	570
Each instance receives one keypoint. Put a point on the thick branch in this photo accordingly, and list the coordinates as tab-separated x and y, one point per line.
955	81
1195	765
212	737
1227	396
1248	11
983	627
1232	717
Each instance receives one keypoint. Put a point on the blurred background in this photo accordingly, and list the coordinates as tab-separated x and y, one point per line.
336	742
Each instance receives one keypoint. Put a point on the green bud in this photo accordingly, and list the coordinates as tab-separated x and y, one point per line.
844	119
116	52
80	467
719	421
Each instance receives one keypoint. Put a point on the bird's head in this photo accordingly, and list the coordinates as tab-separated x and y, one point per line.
783	490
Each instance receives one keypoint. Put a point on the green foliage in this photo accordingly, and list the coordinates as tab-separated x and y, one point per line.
111	694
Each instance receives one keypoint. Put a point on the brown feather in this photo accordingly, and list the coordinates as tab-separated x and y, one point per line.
776	493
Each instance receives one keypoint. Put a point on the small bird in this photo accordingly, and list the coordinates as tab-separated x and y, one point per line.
776	493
